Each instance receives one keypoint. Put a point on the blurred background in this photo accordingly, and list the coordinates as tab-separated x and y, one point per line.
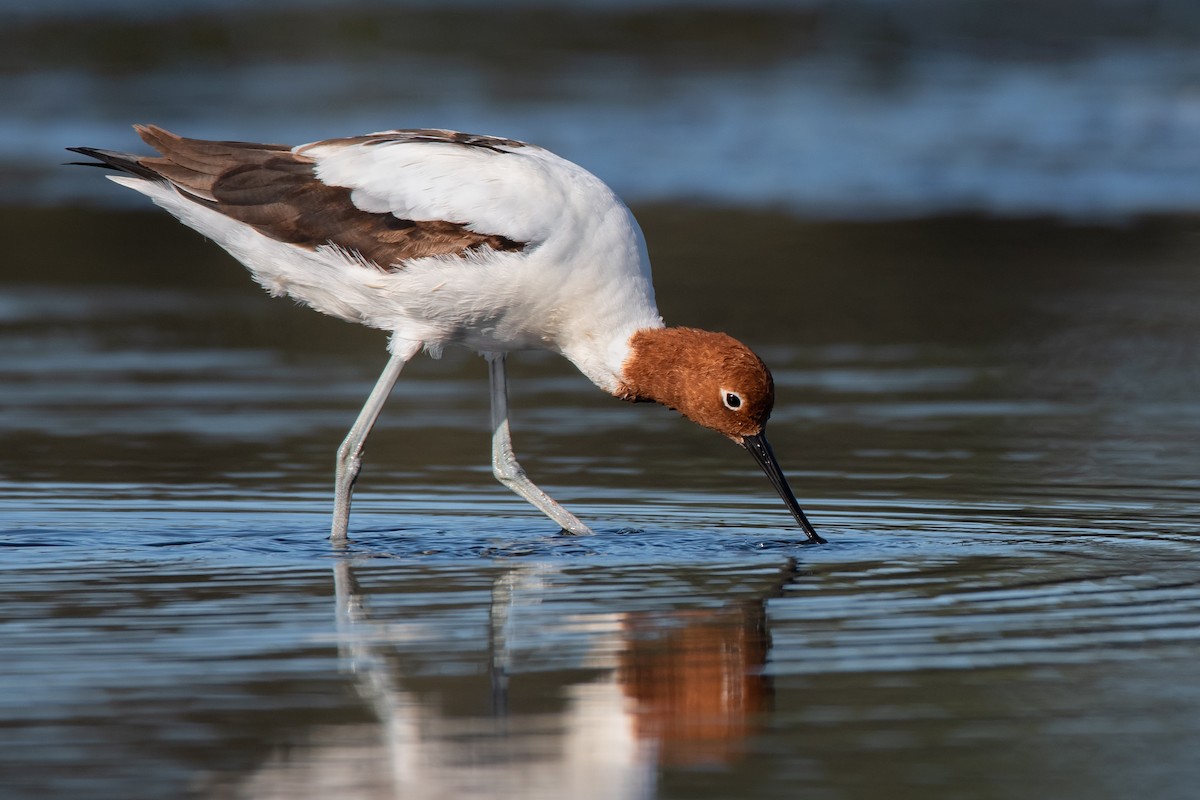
1080	109
926	185
963	233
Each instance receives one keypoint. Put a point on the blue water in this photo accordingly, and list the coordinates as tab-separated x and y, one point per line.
1002	462
855	109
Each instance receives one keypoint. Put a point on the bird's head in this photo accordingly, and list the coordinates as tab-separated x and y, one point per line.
715	381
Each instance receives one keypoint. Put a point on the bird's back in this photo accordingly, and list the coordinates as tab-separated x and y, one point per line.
440	237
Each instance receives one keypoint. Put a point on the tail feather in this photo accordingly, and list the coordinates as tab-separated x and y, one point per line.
192	165
111	159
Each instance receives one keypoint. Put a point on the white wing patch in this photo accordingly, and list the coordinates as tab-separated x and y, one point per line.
516	193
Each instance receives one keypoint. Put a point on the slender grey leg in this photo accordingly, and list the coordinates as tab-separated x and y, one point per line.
504	462
349	455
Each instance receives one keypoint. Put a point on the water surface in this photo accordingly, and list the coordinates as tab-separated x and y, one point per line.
992	423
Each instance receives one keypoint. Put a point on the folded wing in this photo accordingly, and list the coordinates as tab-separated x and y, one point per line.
283	193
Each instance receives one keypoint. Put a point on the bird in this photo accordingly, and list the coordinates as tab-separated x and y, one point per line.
443	238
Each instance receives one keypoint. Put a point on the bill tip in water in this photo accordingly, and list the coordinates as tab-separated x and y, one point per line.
760	448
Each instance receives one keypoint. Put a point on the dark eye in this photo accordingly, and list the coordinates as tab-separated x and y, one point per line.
732	400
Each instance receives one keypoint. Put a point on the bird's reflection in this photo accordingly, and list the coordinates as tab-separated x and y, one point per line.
696	679
666	687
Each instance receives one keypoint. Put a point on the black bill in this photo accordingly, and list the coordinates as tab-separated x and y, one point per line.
760	448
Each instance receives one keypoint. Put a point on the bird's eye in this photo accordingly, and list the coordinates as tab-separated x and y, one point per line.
732	400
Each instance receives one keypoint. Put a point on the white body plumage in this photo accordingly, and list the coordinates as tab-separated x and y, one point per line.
445	238
580	287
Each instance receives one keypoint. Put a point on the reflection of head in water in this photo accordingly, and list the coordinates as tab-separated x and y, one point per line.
697	680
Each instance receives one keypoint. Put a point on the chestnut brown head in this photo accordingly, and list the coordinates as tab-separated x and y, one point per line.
715	381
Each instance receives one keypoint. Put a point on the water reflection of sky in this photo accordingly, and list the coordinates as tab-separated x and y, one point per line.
848	109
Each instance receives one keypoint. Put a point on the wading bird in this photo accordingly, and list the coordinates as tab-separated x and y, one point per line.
446	238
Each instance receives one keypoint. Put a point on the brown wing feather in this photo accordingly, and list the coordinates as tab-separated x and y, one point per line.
277	192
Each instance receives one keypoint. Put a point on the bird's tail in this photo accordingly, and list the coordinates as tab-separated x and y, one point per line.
111	159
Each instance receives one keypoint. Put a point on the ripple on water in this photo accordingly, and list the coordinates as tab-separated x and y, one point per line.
1108	602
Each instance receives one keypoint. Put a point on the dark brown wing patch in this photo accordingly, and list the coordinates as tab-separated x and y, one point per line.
277	192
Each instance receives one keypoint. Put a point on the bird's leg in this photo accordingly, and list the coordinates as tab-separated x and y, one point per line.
504	462
349	454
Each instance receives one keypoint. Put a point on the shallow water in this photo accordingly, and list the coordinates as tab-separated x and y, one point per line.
992	423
